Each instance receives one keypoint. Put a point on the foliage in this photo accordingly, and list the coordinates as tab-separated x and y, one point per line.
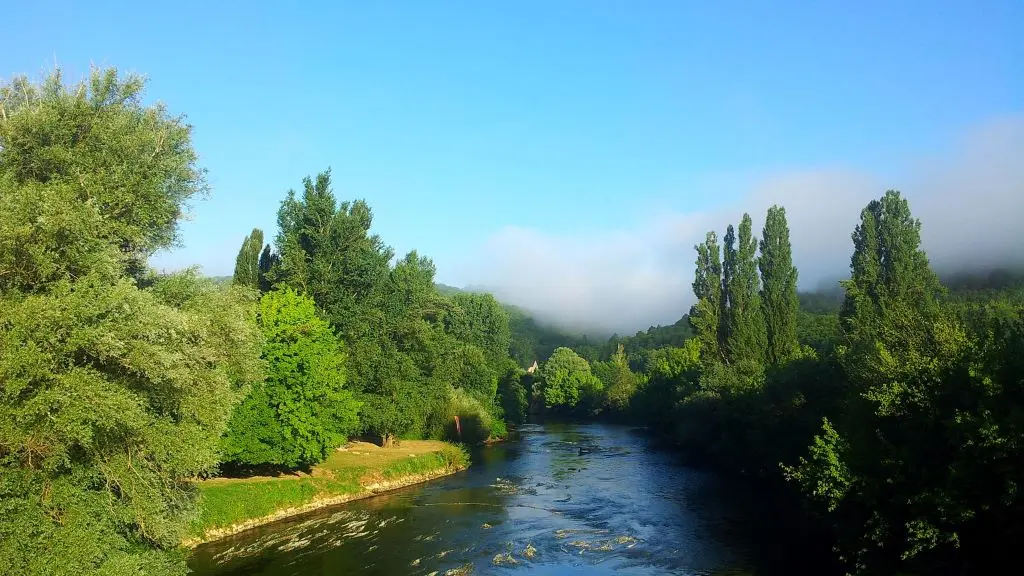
619	382
568	380
484	323
410	347
513	396
116	384
897	417
706	314
476	424
742	316
302	410
96	144
778	291
248	271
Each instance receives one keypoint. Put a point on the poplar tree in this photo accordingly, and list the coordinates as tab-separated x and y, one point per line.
892	296
778	292
268	260
705	315
744	321
725	321
247	263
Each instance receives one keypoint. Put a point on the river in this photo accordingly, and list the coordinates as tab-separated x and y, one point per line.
562	499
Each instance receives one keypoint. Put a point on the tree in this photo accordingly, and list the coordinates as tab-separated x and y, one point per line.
567	379
326	251
891	301
726	321
115	384
706	314
247	264
619	381
778	292
90	134
879	467
513	396
268	261
484	323
745	328
670	374
302	410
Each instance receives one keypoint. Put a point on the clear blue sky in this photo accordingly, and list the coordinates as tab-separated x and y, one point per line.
454	119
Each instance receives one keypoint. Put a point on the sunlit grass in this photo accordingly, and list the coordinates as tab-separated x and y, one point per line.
225	502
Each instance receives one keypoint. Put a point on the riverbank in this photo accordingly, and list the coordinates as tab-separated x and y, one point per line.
357	470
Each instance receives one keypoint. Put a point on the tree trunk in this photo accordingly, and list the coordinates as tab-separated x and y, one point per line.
387	440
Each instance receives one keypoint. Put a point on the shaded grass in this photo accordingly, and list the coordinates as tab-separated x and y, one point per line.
228	501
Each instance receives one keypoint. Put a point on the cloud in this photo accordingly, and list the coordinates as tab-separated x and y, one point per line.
970	201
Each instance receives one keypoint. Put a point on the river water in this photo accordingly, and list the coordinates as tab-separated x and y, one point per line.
562	499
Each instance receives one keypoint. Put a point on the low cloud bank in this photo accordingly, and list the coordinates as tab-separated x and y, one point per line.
970	202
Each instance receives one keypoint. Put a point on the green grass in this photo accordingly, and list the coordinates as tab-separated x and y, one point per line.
226	502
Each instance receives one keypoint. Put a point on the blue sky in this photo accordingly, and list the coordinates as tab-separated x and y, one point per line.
467	123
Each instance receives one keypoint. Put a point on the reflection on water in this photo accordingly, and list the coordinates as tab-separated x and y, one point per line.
564	499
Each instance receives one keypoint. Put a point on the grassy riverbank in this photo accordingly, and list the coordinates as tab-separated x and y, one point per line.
360	469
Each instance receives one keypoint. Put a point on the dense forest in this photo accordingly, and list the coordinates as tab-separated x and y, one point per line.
892	406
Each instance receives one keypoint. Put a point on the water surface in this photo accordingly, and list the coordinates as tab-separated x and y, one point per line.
563	499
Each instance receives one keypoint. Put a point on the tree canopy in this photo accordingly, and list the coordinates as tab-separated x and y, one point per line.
116	383
302	410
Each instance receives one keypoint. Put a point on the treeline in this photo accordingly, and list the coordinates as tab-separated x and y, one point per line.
405	359
897	418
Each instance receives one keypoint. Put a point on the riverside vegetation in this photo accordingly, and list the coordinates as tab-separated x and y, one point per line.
891	409
122	388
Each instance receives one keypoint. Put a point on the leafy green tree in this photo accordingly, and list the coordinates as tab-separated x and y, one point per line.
115	384
302	410
706	314
899	349
778	292
326	251
83	137
513	396
485	324
746	338
670	375
247	263
567	379
619	381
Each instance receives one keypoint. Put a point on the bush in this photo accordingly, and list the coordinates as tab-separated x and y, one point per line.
477	423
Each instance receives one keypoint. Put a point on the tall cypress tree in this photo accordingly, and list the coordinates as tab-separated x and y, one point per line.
705	316
745	329
778	292
247	262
